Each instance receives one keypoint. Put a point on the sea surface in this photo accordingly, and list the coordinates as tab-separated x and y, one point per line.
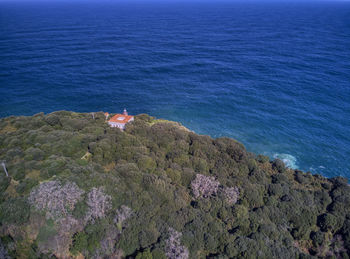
274	76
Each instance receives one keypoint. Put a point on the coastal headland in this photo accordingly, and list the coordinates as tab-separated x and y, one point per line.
73	187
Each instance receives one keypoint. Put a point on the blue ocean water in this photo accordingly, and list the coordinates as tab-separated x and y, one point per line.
275	76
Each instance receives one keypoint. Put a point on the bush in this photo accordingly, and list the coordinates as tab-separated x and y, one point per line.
4	181
275	189
17	171
158	254
26	185
80	209
14	211
80	243
34	154
279	165
263	159
145	254
328	221
47	232
317	237
300	177
52	120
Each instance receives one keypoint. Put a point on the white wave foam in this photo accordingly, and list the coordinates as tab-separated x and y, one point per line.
289	160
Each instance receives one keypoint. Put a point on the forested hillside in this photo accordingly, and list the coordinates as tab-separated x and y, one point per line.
78	188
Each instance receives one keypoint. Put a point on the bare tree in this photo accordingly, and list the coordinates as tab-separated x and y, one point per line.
56	199
204	186
122	214
173	247
99	203
231	194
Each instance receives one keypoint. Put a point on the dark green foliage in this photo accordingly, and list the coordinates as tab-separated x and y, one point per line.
149	171
89	240
263	159
26	186
17	171
4	181
302	178
158	254
80	209
279	165
34	154
279	178
275	189
80	243
14	211
47	232
317	237
52	120
145	254
302	223
328	221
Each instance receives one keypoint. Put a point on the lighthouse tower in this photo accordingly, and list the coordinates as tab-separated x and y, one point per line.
125	112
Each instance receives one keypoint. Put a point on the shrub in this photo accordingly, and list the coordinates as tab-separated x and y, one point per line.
80	209
158	254
47	232
252	165
146	164
4	181
146	254
17	171
279	165
52	120
14	211
80	243
279	178
275	189
317	237
26	185
328	221
148	235
263	159
300	177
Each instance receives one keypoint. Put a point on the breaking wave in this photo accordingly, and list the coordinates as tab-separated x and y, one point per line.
289	160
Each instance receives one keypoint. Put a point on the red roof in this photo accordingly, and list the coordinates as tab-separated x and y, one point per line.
121	118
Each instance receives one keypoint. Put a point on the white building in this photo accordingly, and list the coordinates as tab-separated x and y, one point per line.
120	120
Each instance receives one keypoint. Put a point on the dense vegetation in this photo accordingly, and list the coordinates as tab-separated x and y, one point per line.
157	190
